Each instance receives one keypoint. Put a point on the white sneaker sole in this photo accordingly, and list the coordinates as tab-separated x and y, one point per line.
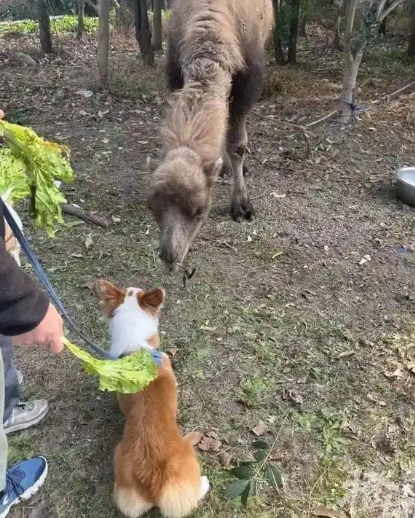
24	426
31	491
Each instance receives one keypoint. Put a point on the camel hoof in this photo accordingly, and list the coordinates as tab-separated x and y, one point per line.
242	210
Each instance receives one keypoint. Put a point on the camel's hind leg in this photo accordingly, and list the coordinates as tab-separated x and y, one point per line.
246	90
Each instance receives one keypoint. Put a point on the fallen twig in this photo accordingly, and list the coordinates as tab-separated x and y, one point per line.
85	216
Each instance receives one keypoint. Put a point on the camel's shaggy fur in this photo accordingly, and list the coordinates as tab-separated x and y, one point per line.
215	68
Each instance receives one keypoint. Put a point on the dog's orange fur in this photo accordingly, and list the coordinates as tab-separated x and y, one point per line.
154	464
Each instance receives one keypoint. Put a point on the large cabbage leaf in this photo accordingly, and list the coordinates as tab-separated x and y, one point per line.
42	165
127	375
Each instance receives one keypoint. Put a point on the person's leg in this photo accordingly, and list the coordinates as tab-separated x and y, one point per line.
17	415
22	480
3	437
12	391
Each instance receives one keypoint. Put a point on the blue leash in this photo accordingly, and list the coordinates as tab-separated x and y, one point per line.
33	260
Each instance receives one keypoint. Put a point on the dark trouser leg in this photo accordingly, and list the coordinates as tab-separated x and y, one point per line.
3	438
11	382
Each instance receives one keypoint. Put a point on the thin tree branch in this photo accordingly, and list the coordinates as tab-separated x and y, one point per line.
390	9
85	216
350	16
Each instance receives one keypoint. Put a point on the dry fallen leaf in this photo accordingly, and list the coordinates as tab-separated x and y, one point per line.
373	399
172	353
40	510
88	241
275	457
225	458
194	437
90	285
259	429
398	373
411	367
365	259
209	444
345	354
292	395
326	513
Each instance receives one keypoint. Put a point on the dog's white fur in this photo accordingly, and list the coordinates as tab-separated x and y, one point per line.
131	327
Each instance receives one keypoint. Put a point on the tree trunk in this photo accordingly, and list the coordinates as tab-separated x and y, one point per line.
123	17
143	33
90	8
81	27
157	26
411	45
336	36
44	27
103	39
278	51
382	27
292	38
347	98
302	28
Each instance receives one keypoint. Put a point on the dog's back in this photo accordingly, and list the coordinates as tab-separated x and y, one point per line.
154	465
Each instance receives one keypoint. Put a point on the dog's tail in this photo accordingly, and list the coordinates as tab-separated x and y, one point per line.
179	500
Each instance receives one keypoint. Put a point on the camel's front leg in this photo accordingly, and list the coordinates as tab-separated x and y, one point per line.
241	207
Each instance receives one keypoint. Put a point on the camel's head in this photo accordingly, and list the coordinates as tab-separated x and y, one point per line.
180	198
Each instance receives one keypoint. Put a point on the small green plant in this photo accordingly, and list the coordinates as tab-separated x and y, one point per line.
329	425
253	390
250	475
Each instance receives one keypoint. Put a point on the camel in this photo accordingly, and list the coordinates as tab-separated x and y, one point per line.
215	65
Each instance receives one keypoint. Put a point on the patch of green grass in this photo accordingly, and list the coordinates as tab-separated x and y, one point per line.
20	447
390	61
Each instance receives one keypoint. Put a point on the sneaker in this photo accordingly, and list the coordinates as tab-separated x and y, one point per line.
19	377
25	415
22	482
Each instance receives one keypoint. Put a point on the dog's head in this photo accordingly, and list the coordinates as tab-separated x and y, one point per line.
133	314
114	299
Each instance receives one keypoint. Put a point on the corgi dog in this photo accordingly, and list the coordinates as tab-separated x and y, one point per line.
154	465
12	245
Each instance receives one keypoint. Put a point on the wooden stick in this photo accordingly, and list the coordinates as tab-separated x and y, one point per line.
85	216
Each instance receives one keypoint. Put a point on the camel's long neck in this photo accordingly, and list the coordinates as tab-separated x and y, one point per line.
199	114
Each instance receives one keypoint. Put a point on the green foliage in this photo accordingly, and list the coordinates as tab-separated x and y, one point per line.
62	24
253	390
34	167
251	474
127	375
328	424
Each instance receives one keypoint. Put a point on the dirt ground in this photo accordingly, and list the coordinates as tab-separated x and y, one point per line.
302	319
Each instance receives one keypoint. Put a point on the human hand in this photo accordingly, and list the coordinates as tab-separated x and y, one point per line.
48	334
1	114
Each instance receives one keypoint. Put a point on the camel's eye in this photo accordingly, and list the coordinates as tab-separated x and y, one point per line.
198	213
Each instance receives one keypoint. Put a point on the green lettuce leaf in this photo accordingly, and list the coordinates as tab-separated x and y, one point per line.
127	375
13	180
39	163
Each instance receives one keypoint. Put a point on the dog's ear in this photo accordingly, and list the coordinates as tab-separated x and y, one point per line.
111	297
152	301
